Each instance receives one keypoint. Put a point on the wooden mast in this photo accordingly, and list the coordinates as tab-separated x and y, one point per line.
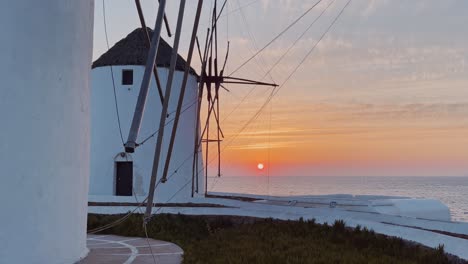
143	26
131	144
182	91
162	120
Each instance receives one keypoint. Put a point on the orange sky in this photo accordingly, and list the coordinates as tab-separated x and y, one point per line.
384	93
377	97
351	140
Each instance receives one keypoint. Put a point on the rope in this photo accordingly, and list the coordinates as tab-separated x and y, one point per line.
180	189
239	8
227	13
312	49
280	59
168	122
112	72
275	91
144	226
126	216
147	241
275	38
116	222
269	150
254	42
272	94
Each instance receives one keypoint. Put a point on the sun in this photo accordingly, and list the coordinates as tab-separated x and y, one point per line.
260	166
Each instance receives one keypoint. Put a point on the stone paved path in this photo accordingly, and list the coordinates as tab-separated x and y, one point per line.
110	249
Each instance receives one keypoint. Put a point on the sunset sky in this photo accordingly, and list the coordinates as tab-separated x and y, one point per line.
385	93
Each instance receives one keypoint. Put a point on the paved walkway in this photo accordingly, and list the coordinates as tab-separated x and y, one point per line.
110	249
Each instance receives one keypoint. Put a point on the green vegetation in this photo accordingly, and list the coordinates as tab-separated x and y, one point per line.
227	239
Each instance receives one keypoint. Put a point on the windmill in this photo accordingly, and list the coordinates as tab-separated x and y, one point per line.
211	79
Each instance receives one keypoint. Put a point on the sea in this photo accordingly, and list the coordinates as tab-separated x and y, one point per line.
452	191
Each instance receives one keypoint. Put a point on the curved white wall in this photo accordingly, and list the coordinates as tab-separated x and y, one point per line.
45	53
106	142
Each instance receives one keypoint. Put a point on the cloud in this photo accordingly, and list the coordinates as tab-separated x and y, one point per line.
333	44
268	145
373	6
425	115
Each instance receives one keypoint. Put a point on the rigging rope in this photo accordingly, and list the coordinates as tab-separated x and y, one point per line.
112	72
226	14
168	122
272	94
239	8
269	150
126	216
144	227
275	38
281	58
147	242
274	65
271	103
254	42
276	89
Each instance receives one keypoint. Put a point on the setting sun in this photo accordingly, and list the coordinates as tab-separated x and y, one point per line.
260	166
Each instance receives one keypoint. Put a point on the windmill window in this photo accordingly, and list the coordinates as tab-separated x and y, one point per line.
127	77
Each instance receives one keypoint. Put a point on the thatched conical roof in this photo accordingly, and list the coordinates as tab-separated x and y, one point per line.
132	50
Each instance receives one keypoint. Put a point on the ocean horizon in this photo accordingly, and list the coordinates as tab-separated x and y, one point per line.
450	190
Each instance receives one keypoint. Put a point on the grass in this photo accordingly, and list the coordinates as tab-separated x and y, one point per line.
227	239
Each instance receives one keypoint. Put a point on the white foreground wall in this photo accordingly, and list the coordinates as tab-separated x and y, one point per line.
45	53
106	143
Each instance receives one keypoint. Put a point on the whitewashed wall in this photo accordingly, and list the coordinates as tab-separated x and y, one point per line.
45	53
106	142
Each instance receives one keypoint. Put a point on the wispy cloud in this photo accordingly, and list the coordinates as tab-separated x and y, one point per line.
373	6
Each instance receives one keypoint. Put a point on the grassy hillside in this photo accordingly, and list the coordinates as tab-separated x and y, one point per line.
227	239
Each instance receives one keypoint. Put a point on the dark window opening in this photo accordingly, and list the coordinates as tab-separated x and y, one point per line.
124	178
127	77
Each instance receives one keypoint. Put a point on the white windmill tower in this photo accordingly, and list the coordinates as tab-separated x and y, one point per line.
116	80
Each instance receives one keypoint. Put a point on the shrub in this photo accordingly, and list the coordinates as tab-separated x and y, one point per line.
231	239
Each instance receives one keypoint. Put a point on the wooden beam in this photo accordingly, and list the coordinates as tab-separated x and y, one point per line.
162	120
148	44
